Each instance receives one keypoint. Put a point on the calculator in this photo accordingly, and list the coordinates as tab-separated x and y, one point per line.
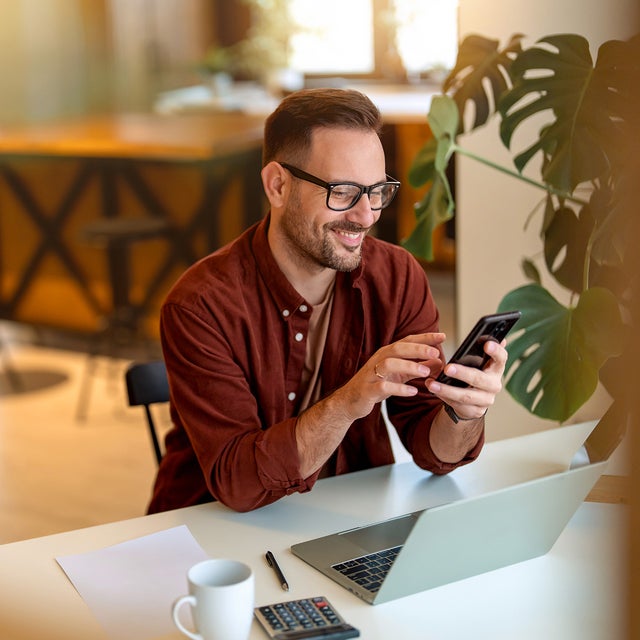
305	619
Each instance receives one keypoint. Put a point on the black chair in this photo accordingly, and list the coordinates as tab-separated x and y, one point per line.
147	384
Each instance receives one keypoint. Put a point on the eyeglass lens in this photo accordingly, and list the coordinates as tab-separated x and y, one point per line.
345	196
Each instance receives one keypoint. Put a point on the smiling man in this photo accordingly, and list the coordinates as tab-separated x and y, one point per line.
281	346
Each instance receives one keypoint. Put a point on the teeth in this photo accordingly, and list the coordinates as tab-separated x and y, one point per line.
348	234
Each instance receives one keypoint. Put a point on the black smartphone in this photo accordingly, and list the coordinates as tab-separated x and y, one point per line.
471	352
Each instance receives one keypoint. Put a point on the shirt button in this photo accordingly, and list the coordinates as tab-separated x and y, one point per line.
299	337
286	313
304	308
292	396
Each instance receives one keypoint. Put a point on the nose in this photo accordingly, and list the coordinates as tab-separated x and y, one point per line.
361	213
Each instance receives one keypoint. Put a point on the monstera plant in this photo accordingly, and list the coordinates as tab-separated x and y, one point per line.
583	147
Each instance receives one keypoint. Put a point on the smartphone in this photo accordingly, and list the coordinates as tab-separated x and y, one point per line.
471	352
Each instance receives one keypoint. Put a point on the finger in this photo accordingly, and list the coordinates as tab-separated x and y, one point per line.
433	338
410	350
497	352
467	401
400	370
476	379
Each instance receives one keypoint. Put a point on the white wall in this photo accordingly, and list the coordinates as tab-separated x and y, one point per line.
491	208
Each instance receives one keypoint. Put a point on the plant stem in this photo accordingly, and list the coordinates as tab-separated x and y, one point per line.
587	264
514	174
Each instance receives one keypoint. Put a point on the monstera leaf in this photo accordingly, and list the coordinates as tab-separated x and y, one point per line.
430	165
586	104
481	66
555	356
565	246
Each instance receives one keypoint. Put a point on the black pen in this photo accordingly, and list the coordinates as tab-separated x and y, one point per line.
271	561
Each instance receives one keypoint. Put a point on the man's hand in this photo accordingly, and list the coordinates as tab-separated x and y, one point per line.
321	428
451	441
484	384
387	372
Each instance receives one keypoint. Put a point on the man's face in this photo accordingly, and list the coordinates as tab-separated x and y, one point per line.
316	236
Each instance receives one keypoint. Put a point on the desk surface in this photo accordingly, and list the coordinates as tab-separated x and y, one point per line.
149	136
575	591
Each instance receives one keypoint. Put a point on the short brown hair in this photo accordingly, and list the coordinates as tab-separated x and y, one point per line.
287	131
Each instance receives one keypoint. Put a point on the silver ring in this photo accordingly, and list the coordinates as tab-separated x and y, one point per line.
375	370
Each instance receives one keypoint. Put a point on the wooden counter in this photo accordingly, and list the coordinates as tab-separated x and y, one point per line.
199	172
138	136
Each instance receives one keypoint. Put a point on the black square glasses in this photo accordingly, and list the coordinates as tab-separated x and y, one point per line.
344	195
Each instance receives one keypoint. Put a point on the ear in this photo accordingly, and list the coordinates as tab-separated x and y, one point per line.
274	181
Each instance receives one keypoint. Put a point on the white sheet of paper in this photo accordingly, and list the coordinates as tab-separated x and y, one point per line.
131	586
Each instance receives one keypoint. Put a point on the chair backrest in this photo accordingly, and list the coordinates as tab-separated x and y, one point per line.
147	384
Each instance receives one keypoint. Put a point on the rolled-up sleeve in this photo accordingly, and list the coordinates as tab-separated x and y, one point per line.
247	458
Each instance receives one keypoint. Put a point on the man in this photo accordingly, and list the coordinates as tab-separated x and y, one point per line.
281	346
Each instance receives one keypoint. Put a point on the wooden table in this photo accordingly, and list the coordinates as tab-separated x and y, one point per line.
200	172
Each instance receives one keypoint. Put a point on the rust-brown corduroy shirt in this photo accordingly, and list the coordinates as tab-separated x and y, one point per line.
234	338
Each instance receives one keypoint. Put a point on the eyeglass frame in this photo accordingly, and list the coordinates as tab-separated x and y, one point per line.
329	186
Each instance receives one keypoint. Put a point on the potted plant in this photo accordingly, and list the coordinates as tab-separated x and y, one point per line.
218	67
568	342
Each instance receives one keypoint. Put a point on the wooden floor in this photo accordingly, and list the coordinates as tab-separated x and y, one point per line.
58	473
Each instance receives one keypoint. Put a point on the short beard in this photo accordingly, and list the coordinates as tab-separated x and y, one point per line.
329	256
309	249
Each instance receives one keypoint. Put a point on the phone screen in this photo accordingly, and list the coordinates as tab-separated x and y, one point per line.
471	352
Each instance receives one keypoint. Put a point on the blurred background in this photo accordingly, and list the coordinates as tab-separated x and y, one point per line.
73	57
154	108
130	143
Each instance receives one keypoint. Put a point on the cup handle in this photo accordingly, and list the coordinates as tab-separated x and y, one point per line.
176	620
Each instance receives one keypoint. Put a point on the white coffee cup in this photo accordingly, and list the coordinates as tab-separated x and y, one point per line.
221	595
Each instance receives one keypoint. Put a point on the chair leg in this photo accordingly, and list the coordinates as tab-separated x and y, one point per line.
12	375
85	388
154	435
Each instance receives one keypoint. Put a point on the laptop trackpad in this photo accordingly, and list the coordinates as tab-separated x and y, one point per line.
383	535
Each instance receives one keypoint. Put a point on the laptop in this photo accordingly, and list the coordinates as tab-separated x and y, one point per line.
414	552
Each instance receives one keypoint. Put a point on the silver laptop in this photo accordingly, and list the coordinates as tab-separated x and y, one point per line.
418	551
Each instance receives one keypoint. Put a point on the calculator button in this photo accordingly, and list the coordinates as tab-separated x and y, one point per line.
305	619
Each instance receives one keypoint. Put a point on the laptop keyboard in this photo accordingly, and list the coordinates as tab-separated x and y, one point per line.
369	571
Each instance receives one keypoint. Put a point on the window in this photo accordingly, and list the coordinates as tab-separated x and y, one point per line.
325	27
427	34
373	37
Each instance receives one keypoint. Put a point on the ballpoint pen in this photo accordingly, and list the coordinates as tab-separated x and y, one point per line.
271	561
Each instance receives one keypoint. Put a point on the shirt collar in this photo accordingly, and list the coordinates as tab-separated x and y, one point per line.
285	296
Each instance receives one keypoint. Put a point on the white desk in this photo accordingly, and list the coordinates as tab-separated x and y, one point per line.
575	591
